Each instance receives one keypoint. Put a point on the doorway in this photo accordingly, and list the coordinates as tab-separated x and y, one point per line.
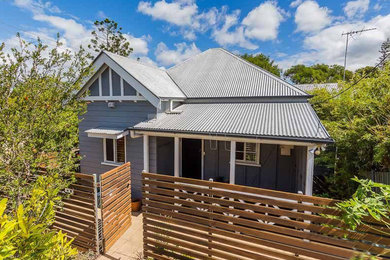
192	158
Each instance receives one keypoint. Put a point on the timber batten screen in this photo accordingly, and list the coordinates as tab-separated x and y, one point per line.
78	217
115	189
207	220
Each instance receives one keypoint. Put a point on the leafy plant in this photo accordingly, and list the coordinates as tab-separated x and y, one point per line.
25	233
39	115
264	62
358	120
371	199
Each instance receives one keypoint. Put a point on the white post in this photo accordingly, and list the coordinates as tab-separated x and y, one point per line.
177	157
146	153
309	170
232	162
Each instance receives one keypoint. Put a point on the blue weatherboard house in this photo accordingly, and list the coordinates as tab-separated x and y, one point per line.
214	116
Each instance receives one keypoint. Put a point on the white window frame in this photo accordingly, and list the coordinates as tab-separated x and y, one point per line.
113	163
246	162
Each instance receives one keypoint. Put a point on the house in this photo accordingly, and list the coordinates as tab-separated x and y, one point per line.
311	87
213	116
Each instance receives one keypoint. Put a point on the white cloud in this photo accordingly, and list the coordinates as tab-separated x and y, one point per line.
73	34
37	6
139	45
310	17
262	23
295	3
168	57
356	8
225	36
377	7
327	46
178	12
101	14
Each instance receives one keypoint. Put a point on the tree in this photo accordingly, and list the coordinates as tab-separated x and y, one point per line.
263	62
318	73
107	36
385	51
358	120
39	116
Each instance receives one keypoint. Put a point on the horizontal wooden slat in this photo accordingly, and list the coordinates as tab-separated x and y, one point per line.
201	218
116	203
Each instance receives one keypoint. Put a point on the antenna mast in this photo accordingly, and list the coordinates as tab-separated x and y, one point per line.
346	44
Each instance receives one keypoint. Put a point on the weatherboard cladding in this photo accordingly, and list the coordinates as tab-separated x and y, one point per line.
272	120
218	73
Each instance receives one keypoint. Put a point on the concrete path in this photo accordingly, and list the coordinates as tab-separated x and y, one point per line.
129	245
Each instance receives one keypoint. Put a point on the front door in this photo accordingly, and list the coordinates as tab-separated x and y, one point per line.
192	158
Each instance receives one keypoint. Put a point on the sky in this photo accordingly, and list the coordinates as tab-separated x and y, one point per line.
166	32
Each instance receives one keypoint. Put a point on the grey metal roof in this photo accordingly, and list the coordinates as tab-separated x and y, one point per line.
154	79
295	121
218	73
310	87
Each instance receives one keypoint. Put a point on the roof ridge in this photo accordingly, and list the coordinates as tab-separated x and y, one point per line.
190	58
262	70
134	61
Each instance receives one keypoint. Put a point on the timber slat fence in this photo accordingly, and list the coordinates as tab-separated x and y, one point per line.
96	222
187	218
115	192
78	217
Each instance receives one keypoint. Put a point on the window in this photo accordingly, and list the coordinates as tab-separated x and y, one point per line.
248	153
114	150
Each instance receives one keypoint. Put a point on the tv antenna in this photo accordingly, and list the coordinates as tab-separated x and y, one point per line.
348	34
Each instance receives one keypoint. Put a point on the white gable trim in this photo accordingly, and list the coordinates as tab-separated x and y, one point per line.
102	61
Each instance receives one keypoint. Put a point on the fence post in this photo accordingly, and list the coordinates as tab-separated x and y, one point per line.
211	219
95	185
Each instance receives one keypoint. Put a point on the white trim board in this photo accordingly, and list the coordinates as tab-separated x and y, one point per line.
104	60
224	138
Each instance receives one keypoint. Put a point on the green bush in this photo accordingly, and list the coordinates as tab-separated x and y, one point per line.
25	232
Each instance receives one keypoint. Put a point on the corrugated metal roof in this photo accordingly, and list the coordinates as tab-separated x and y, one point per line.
219	73
154	79
310	87
296	121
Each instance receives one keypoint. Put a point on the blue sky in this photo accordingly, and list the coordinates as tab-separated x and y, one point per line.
166	32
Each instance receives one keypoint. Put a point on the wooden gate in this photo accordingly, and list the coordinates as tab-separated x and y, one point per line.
115	194
78	217
195	219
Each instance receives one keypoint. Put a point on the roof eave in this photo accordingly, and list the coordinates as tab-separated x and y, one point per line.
281	138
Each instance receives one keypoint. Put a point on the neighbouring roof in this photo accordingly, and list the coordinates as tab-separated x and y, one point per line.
310	87
154	79
295	121
218	73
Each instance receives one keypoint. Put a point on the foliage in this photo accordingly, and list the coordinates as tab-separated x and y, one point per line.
318	73
25	232
385	51
358	120
263	62
39	115
371	199
107	36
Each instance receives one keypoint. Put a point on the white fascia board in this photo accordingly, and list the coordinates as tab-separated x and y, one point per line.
223	138
105	59
114	98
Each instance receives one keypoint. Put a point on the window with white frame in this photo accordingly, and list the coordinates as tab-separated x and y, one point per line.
114	150
248	153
